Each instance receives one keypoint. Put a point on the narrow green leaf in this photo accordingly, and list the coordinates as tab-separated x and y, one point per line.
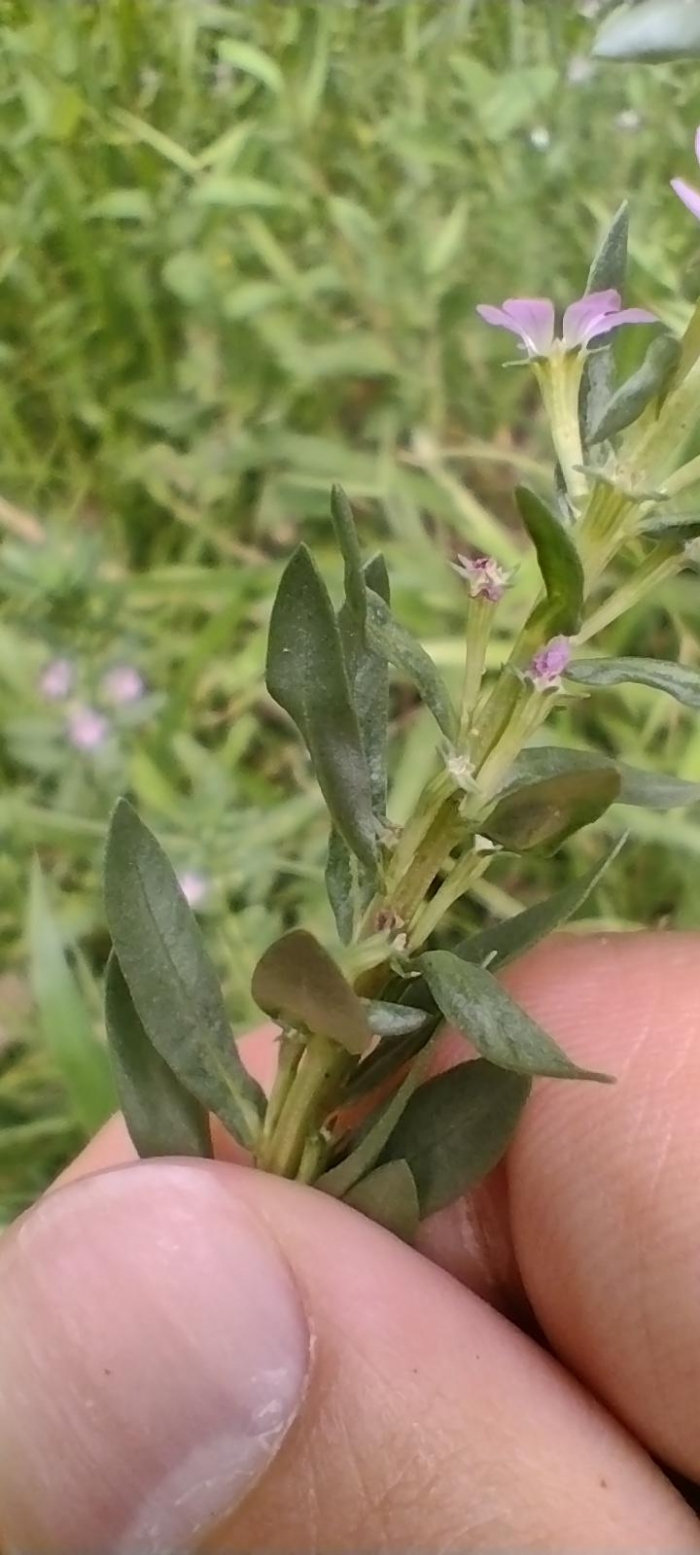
390	1021
677	680
473	1001
654	31
340	886
64	1021
355	581
504	942
455	1130
171	980
368	671
389	1196
543	812
162	1117
655	790
559	563
299	984
648	383
373	1135
306	675
671	526
408	655
608	270
649	790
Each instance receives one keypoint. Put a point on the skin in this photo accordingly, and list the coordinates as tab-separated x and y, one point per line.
529	1380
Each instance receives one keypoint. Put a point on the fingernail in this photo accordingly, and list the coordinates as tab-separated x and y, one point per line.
153	1354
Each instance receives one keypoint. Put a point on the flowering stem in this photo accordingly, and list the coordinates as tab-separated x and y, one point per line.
664	561
559	378
467	869
480	612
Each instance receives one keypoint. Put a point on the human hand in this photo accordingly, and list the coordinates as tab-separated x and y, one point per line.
194	1356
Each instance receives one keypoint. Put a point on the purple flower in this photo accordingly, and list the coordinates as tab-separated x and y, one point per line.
549	664
56	680
686	192
122	684
534	320
484	576
87	729
194	887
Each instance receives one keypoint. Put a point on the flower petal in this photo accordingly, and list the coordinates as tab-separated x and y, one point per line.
616	320
689	195
580	315
534	320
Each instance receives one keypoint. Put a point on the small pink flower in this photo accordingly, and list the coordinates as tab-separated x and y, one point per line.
87	729
685	191
56	680
122	685
484	576
547	667
194	887
533	319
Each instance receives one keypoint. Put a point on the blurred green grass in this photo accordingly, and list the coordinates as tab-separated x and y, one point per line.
240	248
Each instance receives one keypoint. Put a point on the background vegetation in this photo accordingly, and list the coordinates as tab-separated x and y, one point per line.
240	248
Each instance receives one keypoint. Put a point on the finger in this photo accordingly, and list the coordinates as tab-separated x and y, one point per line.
604	1183
197	1356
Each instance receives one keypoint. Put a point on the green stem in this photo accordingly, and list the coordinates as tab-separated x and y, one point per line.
663	562
480	612
461	876
322	1067
291	1047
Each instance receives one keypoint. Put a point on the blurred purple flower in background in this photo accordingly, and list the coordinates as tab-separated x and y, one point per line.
56	680
533	319
194	887
685	191
122	685
87	729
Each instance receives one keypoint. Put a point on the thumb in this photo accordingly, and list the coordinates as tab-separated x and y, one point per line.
195	1356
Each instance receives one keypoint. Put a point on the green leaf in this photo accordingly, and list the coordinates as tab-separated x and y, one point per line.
455	1130
299	984
504	942
649	790
655	790
389	1196
657	30
391	1056
373	1135
473	1001
306	675
608	270
340	886
355	581
677	680
171	980
162	1117
368	672
252	62
543	812
390	1021
64	1020
670	526
559	563
408	655
648	383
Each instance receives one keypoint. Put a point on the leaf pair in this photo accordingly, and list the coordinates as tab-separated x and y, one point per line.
175	1057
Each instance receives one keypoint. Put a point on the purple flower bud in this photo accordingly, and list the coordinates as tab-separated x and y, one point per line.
549	664
685	191
122	685
194	887
56	680
87	729
484	576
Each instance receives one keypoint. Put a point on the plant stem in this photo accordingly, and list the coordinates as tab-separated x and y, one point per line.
663	562
480	613
321	1069
466	870
291	1047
